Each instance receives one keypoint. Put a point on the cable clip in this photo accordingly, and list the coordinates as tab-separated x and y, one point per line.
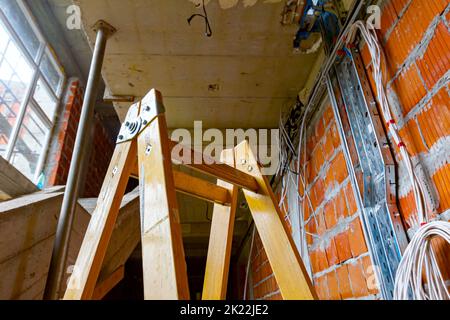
340	53
392	121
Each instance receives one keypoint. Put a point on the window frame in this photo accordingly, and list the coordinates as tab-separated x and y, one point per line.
28	99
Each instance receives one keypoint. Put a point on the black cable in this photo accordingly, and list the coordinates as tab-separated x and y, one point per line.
208	30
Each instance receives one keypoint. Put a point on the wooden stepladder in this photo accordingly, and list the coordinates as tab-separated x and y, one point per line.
143	149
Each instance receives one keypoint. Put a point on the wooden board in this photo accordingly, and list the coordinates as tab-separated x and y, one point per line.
164	265
95	243
102	288
221	238
201	189
29	222
12	182
287	266
195	187
186	156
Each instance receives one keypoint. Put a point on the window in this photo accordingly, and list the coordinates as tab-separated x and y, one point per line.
31	82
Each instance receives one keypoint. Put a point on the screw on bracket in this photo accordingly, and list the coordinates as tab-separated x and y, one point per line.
148	149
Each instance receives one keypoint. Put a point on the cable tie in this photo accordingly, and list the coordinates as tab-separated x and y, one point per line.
348	52
392	121
340	53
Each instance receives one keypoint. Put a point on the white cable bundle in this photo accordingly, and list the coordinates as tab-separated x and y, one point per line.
370	37
419	260
419	253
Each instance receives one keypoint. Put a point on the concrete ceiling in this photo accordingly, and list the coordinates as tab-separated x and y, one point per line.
242	76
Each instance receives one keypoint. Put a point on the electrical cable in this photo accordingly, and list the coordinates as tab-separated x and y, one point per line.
208	30
418	274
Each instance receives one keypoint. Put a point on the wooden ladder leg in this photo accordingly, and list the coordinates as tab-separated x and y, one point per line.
95	243
220	240
164	265
287	266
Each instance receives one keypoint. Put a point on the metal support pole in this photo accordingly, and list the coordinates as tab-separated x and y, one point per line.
59	255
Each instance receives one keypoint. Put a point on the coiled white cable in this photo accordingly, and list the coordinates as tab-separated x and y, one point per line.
419	261
418	273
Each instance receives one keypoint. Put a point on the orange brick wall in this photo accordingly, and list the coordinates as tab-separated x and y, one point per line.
415	35
263	281
60	153
338	253
416	39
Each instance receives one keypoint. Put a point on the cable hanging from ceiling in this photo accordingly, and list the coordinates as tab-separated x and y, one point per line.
208	30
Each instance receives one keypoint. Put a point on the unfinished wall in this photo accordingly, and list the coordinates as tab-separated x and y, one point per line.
339	258
60	153
416	39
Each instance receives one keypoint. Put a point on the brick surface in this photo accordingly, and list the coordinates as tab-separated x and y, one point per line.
332	255
412	138
356	238
340	168
441	179
61	148
345	288
321	223
351	201
409	88
328	116
388	18
343	246
399	5
424	126
410	29
311	228
333	285
357	279
408	209
436	60
434	119
319	191
330	215
369	272
335	136
318	260
341	205
321	287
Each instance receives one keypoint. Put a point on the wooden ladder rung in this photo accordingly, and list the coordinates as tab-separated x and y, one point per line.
200	188
195	187
219	170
